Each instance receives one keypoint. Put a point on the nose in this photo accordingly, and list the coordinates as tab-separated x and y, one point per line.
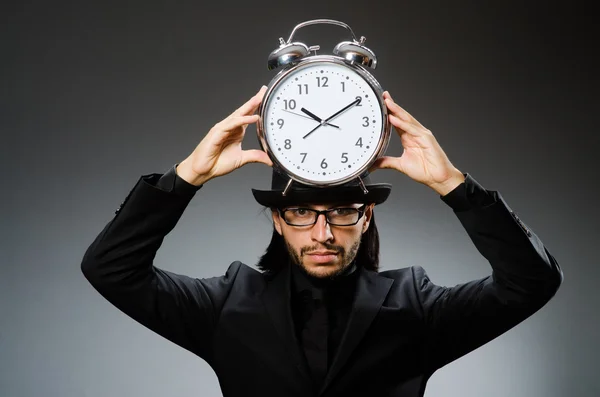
321	231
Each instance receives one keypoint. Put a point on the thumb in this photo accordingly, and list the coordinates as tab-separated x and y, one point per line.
256	156
384	162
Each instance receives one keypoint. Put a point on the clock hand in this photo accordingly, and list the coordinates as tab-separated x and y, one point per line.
356	102
312	115
311	131
310	118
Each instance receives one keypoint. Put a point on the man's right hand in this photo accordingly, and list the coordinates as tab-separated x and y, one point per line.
220	152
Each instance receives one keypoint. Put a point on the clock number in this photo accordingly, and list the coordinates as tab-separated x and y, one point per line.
359	142
291	104
344	157
324	80
300	89
323	164
288	144
366	119
343	86
360	103
280	123
303	157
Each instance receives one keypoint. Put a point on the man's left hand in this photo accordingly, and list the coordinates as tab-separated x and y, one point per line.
423	160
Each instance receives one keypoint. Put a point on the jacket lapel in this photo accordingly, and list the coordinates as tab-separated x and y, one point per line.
276	298
371	291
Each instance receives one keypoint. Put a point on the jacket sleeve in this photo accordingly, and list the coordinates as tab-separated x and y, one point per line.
119	265
524	277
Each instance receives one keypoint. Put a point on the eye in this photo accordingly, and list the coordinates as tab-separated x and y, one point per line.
300	211
344	211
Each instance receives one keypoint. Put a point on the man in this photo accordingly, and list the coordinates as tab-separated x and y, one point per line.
318	318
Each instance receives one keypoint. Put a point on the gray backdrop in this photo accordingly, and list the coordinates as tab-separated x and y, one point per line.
96	93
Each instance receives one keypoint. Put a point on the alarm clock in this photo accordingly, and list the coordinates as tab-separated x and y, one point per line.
323	121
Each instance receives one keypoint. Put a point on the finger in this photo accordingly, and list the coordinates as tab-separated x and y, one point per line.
397	110
252	104
406	126
231	123
256	156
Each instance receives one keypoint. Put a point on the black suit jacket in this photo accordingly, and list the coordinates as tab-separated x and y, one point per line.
402	327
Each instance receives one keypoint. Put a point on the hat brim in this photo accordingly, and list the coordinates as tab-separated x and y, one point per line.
377	193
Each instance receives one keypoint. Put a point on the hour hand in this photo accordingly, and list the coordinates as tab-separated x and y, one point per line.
314	116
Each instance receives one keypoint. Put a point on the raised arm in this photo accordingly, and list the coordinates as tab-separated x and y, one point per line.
524	277
524	274
119	263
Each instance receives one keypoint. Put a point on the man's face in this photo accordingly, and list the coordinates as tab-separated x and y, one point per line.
323	250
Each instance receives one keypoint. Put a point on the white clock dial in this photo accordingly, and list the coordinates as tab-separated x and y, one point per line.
323	151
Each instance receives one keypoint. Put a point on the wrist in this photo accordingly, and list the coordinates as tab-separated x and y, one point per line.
443	188
185	172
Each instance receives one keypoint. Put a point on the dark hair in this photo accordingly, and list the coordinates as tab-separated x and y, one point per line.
276	254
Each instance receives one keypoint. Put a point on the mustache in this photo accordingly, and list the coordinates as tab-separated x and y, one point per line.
322	247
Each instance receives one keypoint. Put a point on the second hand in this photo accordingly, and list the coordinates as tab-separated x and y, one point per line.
310	118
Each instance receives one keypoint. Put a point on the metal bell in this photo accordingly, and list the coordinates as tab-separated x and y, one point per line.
287	53
355	52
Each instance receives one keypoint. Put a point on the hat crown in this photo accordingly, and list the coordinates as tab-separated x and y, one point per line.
352	191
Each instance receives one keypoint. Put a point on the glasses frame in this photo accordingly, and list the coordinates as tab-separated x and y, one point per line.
361	212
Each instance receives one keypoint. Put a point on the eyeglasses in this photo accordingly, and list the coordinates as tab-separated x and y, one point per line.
300	216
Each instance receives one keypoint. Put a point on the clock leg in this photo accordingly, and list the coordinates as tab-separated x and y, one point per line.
364	188
287	187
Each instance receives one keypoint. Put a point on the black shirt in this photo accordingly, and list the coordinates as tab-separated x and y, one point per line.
321	337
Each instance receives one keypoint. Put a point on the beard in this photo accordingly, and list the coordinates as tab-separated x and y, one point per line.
347	257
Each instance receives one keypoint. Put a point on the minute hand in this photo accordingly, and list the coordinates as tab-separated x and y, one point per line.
355	102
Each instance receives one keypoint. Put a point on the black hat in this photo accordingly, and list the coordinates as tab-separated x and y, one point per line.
300	193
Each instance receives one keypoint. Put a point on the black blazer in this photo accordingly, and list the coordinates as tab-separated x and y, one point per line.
402	327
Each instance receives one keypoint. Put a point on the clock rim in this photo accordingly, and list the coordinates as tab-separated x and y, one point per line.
382	144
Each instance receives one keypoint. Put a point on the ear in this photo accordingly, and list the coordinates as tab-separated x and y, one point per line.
276	220
368	215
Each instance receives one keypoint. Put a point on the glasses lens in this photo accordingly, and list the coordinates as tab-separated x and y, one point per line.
306	216
300	216
343	216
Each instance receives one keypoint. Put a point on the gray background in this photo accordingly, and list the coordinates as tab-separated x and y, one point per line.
96	93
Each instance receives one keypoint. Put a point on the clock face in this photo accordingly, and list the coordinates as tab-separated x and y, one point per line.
346	137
